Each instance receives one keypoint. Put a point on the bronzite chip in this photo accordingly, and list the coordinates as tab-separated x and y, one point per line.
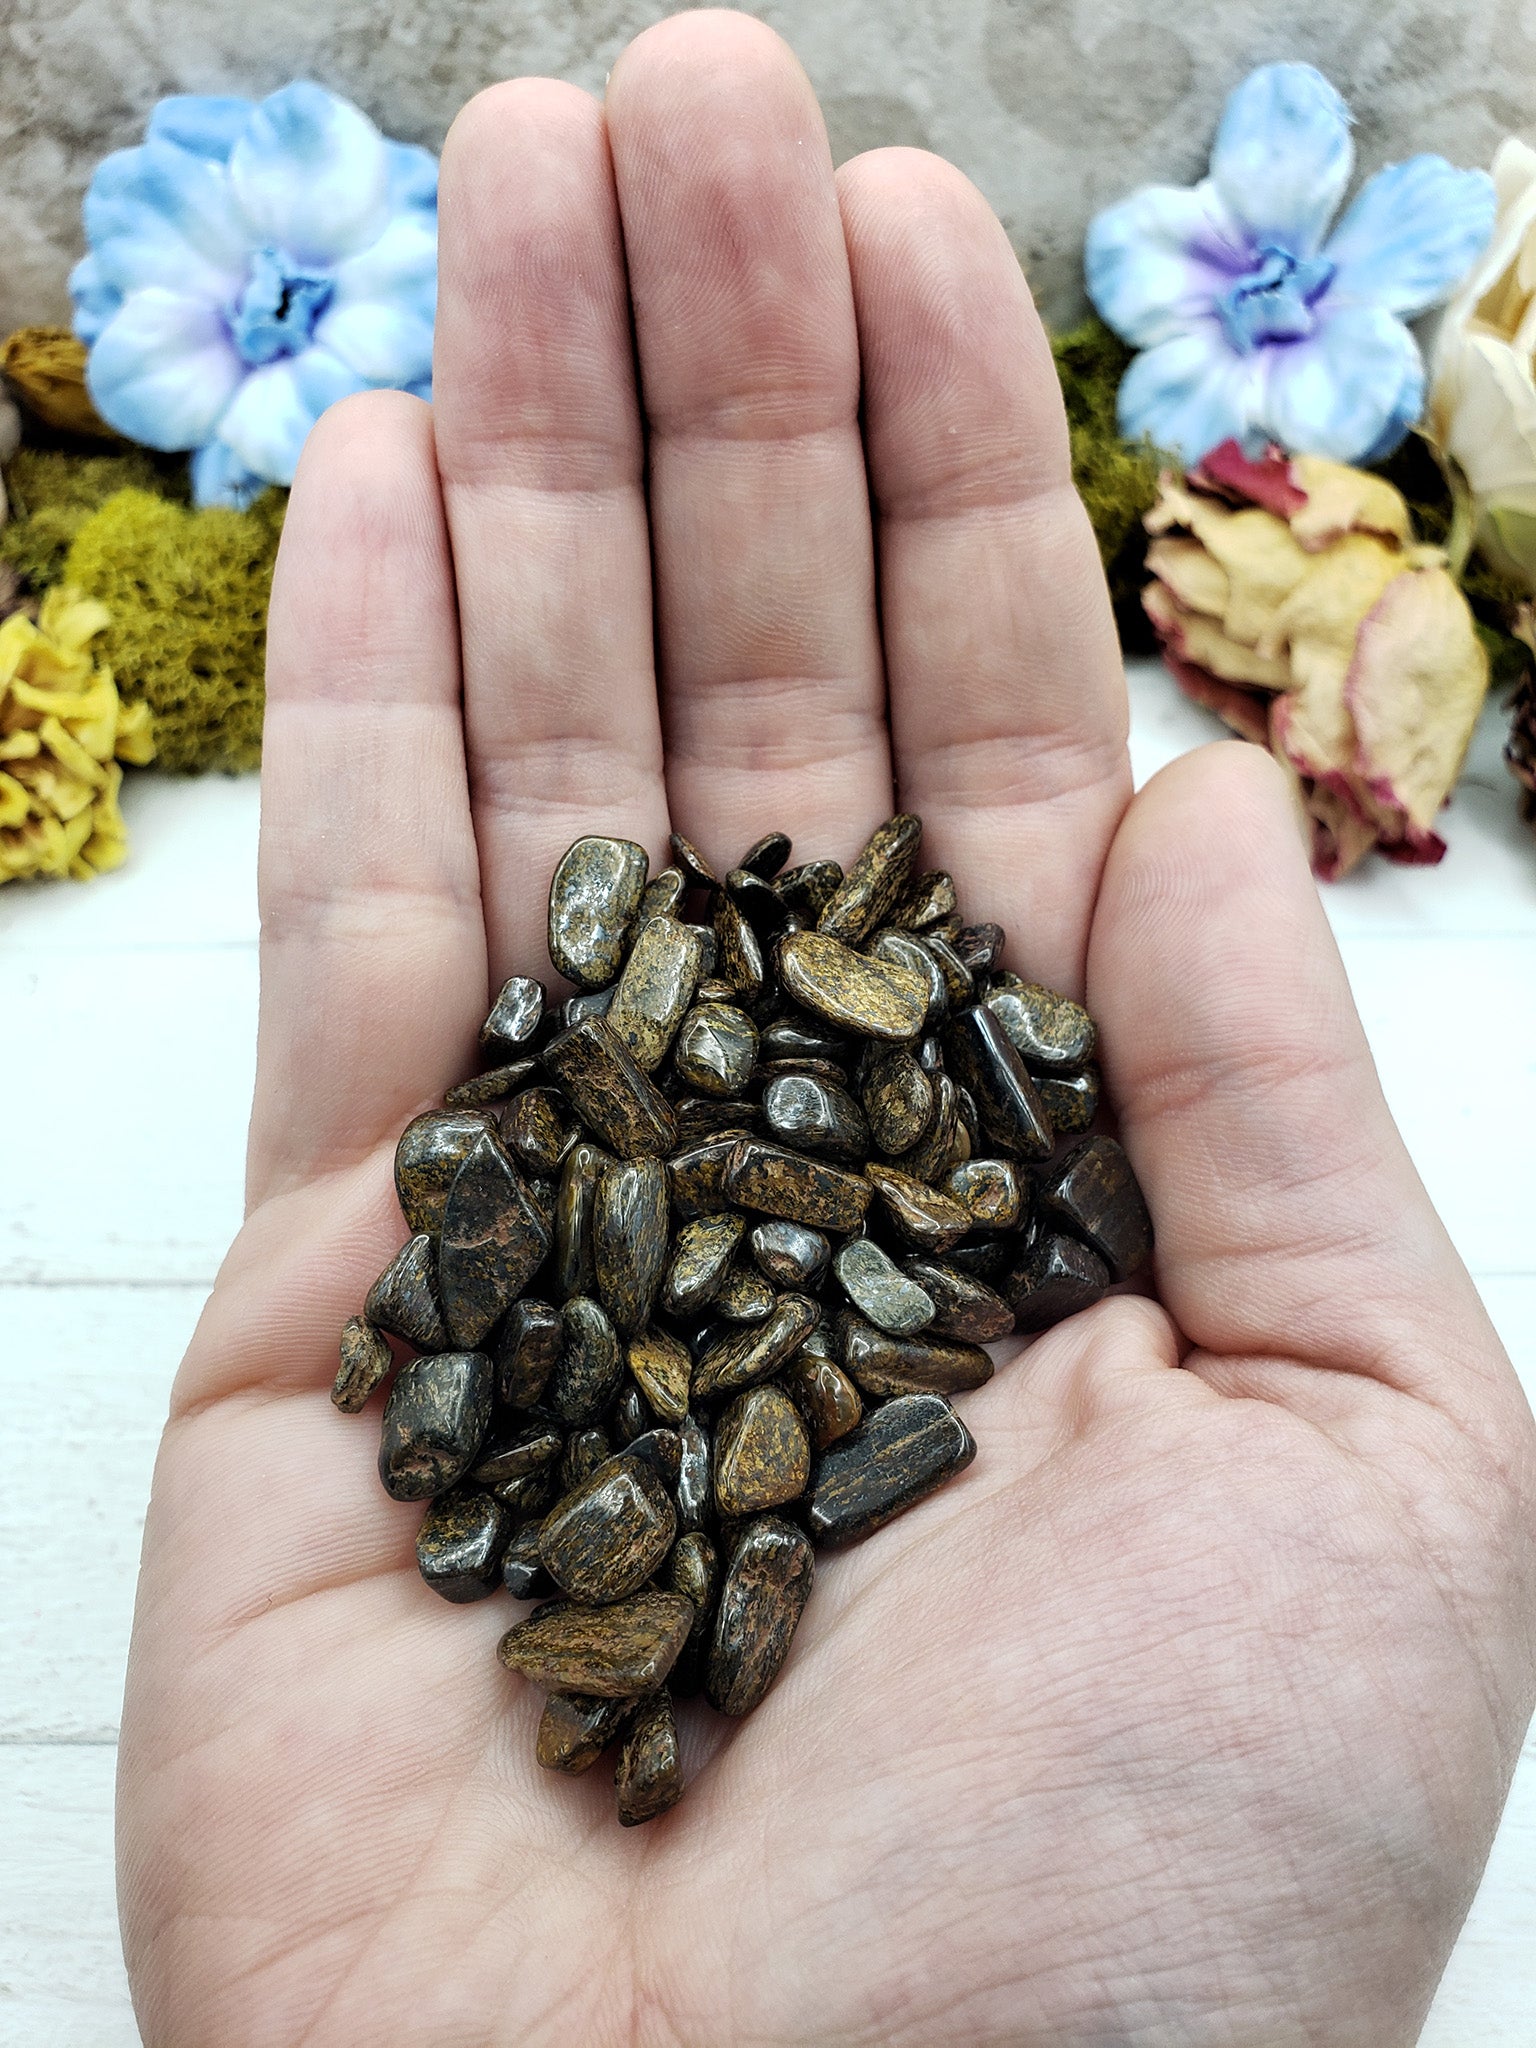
696	1264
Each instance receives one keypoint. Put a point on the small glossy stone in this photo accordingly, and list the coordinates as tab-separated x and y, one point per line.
609	1092
574	1272
739	952
493	1242
663	896
585	1450
590	1367
810	1114
898	1099
694	1487
824	1394
696	1177
778	1182
662	1450
964	1306
762	1453
880	1291
804	1041
615	1652
744	1297
574	1731
526	1350
1095	1193
1049	1031
656	988
980	1053
662	1370
958	980
522	1568
716	1049
945	1144
693	864
757	902
989	1190
592	902
603	1540
431	1150
762	1596
629	1240
701	1257
700	1118
790	1254
404	1298
980	947
1056	1276
895	1458
649	1778
925	900
875	883
529	1495
515	1017
460	1544
903	949
757	1350
984	1258
631	1416
808	889
509	1454
434	1421
494	1085
852	991
878	1363
765	856
366	1362
534	1131
1071	1100
922	1216
693	1570
595	1002
970	1122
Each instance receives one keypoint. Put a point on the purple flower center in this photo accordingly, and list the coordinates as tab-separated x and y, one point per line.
1275	300
277	311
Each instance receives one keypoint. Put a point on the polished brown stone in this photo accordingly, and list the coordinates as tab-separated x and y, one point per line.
1050	1032
512	1452
757	901
662	897
744	1296
695	867
1071	1100
716	1049
592	902
574	1730
765	856
656	987
662	1450
695	1487
798	1040
662	1370
762	1596
790	1254
1055	1277
906	950
779	1182
366	1362
852	991
757	1350
806	891
615	1652
434	1422
964	1306
593	1002
585	1450
824	1394
522	1569
535	1132
875	883
702	1117
527	1347
701	1256
460	1543
493	1242
431	1150
609	1092
895	1458
880	1291
812	1114
515	1017
1094	1193
605	1538
898	1099
649	1778
879	1363
575	1195
494	1085
629	1240
959	983
693	1570
696	1176
921	1216
404	1299
631	1416
739	952
980	1054
528	1495
980	947
925	900
991	1191
590	1368
945	1144
762	1453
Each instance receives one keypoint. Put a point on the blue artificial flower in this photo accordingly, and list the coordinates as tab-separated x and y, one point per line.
1254	327
250	263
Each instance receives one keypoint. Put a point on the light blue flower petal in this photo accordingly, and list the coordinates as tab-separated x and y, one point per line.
421	389
1350	392
219	477
1283	156
270	416
205	123
311	175
1156	261
163	369
412	177
1411	236
380	320
95	300
160	215
1189	394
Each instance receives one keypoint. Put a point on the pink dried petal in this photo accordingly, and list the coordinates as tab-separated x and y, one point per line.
1240	710
1339	499
1268	482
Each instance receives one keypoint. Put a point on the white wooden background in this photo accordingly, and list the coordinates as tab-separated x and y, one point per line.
127	1035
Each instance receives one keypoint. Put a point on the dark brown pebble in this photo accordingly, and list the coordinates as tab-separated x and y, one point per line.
902	949
662	971
756	901
513	1453
744	1296
696	1177
590	1367
922	1216
716	1049
783	1183
526	1350
1048	1031
790	1254
880	1291
984	1258
925	900
895	1458
700	1118
494	1085
649	1778
431	1150
603	1540
693	864
1071	1100
529	1495
958	980
692	1570
1095	1193
366	1362
434	1421
629	1240
824	1394
882	1364
701	1257
963	1305
739	953
809	1114
534	1131
404	1298
1055	1278
765	856
758	1350
970	1122
592	902
522	1569
898	1099
662	897
662	1450
945	1144
460	1544
980	947
762	1453
875	883
631	1416
615	1652
662	1370
585	1450
762	1596
574	1731
575	1196
808	889
493	1242
596	1002
609	1092
852	991
515	1017
802	1040
989	1190
694	1487
980	1053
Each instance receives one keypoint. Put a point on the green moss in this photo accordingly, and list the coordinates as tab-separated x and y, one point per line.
188	593
53	491
1116	479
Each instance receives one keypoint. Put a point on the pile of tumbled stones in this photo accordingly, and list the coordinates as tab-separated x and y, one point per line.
697	1262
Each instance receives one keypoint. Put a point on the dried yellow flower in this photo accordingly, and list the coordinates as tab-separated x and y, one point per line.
63	733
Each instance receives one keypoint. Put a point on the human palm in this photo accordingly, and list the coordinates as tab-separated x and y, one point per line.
1183	1716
